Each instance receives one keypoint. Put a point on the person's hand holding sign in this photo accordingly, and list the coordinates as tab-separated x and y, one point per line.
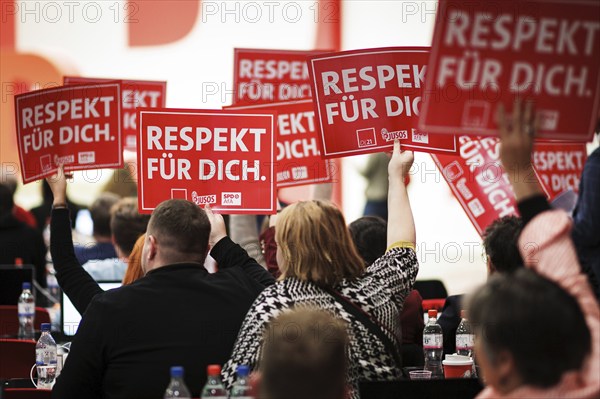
58	186
401	226
516	146
217	226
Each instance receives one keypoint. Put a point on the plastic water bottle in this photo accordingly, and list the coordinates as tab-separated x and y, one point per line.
177	388
45	353
241	387
26	311
214	387
464	336
433	346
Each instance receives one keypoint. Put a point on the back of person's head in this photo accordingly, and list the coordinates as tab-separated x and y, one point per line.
304	356
315	244
6	201
8	179
532	319
501	243
369	234
134	262
127	224
100	212
181	230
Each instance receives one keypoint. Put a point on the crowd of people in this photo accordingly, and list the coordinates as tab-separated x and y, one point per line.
320	306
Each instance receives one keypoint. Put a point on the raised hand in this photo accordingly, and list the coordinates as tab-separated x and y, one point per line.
58	185
217	226
401	161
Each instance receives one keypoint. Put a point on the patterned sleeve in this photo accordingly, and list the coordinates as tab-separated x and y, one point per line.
397	270
248	346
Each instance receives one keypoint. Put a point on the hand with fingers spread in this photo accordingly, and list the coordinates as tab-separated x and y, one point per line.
217	226
516	146
58	186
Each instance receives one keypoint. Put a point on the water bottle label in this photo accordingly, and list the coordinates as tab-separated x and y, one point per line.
465	341
433	341
26	309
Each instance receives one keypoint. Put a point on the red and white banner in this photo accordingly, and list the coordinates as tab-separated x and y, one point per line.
77	126
485	54
135	94
221	158
298	159
365	99
267	76
478	181
559	166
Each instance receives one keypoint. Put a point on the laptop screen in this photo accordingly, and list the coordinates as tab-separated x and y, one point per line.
70	315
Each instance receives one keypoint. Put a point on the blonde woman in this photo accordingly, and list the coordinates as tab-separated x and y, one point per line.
321	268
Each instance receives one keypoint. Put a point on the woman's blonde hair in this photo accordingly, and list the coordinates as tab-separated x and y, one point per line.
316	245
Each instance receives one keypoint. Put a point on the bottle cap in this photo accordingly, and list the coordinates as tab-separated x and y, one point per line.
432	313
463	314
45	326
214	369
26	286
18	261
177	372
242	370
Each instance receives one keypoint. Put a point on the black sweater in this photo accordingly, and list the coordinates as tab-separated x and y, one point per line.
179	314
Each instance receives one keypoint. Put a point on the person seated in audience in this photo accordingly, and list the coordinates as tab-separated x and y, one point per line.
369	236
537	330
7	177
177	313
502	256
321	267
126	225
18	240
309	362
102	246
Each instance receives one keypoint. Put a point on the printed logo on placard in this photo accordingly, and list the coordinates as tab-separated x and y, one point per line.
462	188
179	193
300	172
284	175
46	163
366	137
395	135
476	207
86	157
203	199
66	159
548	119
418	137
231	199
475	114
131	141
453	171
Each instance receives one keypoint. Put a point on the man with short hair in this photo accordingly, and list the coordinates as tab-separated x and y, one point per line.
126	225
500	241
178	314
102	247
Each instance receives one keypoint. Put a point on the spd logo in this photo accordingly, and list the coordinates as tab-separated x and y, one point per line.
231	199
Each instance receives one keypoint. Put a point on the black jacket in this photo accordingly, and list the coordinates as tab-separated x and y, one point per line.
179	314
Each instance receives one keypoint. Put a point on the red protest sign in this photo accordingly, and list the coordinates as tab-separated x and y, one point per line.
135	94
559	166
485	55
267	76
77	126
365	99
221	158
478	181
298	159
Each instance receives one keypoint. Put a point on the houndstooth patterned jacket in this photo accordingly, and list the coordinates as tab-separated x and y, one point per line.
381	292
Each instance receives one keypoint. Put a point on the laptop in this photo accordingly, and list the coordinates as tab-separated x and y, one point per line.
11	282
70	317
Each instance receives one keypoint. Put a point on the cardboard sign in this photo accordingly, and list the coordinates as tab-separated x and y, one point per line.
559	166
365	99
221	158
135	94
478	181
298	159
486	54
267	76
77	126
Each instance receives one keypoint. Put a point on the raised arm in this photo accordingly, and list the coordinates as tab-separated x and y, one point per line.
401	225
79	286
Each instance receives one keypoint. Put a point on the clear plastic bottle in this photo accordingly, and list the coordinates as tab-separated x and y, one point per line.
433	345
177	387
241	387
45	352
214	387
26	311
464	336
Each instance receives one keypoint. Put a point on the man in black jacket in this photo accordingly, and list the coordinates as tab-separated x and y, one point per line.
178	314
